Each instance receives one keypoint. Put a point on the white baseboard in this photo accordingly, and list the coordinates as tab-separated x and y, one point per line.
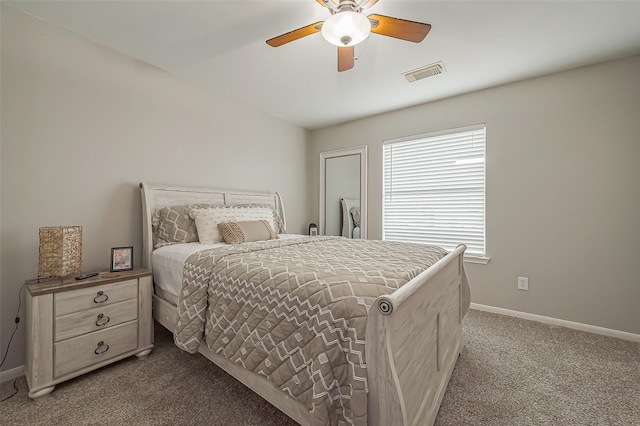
7	375
555	321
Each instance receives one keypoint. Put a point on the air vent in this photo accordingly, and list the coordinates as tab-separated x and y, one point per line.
424	72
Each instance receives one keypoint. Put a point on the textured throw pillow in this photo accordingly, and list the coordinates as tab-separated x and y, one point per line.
245	232
207	220
355	214
173	224
262	212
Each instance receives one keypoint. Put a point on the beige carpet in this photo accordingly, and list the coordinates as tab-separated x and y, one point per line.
512	372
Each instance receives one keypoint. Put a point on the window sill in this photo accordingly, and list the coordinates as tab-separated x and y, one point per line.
481	260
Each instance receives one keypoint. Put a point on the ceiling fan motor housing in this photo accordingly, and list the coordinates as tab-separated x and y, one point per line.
352	5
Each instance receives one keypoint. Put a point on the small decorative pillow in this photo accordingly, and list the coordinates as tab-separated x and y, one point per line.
274	218
249	212
207	220
355	214
245	232
172	225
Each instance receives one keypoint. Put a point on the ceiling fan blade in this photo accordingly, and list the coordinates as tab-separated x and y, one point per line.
368	4
399	28
345	58
295	35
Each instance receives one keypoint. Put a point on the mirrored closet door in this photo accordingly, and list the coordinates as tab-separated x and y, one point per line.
343	192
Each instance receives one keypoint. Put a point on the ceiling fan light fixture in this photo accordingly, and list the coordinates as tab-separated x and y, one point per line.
346	28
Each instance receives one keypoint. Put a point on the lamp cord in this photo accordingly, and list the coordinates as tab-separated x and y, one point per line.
17	320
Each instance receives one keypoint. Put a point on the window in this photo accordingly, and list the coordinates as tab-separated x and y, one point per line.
434	187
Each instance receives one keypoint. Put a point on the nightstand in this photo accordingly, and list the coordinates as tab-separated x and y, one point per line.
74	327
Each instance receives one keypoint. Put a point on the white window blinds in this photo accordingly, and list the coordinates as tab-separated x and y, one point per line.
434	188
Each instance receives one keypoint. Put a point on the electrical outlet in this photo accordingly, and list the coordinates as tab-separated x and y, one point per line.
523	283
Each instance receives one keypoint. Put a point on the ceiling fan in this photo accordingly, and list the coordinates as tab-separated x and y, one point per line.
347	26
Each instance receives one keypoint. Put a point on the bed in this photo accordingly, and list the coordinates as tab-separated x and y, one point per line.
350	218
406	360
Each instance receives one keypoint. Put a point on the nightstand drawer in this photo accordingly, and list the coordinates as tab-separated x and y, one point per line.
69	302
97	318
79	352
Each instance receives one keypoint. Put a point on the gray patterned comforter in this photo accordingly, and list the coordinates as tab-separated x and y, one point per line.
295	311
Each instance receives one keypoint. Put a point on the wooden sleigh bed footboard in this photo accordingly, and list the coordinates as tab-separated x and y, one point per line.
413	336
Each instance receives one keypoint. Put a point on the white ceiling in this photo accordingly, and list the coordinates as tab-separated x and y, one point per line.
220	46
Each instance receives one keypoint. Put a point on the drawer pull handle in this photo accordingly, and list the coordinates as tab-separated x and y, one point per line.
102	320
100	297
102	348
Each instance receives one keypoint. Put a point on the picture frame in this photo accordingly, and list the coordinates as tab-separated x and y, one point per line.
121	259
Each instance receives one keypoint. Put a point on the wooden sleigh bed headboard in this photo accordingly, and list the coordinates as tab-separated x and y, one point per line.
155	196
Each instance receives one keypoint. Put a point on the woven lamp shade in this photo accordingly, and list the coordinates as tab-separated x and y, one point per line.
60	251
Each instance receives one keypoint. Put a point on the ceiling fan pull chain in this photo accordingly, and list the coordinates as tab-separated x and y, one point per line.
364	45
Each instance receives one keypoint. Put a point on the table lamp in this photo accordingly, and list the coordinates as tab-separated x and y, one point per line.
60	251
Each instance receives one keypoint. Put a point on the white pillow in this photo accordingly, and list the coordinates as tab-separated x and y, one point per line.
207	220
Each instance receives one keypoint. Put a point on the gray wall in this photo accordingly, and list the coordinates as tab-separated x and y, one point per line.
563	188
82	125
